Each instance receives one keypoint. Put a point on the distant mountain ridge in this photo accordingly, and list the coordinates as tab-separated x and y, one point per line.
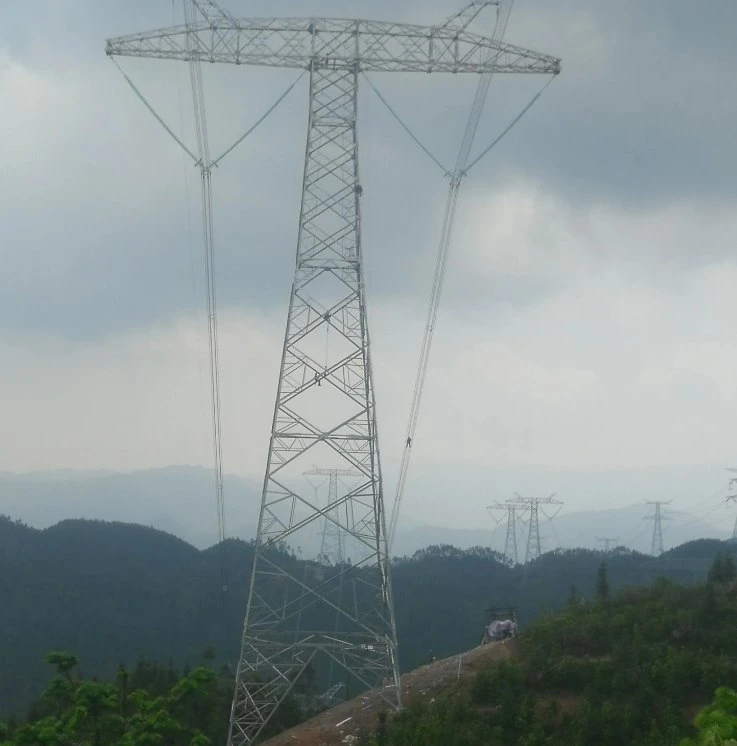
176	499
180	500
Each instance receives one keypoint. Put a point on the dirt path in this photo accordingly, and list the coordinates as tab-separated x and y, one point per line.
341	724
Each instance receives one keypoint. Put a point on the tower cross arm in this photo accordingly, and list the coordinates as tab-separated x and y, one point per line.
334	43
316	472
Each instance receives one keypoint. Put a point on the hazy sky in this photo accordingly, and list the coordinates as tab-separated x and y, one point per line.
589	321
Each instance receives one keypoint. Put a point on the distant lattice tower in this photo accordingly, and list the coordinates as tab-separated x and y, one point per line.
607	541
531	505
332	550
510	539
657	517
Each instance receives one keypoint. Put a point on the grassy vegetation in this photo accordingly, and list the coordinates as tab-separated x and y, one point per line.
149	705
632	669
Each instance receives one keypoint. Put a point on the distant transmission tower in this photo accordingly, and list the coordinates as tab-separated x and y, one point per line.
531	505
325	406
607	541
657	517
510	542
332	549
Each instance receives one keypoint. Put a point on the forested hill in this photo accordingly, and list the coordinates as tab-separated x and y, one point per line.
112	593
632	668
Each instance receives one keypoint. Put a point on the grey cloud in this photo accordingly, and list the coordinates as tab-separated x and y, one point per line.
642	111
641	116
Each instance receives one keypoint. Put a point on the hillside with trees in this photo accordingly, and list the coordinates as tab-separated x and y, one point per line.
630	668
644	666
148	704
117	593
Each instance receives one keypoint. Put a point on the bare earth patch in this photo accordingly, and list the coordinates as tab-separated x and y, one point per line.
342	724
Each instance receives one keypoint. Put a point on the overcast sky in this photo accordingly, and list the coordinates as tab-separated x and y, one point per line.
589	323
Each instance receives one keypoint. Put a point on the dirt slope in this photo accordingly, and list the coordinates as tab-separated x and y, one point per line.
341	724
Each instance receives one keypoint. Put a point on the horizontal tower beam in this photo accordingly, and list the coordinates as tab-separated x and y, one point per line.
330	43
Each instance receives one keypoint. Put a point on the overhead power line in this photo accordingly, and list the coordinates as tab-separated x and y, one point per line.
503	10
203	162
203	148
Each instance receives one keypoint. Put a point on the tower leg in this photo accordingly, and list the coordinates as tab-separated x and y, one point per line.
510	542
325	413
534	549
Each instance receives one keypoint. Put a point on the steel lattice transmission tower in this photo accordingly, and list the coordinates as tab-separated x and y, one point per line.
325	408
607	541
332	548
332	541
510	540
531	505
657	517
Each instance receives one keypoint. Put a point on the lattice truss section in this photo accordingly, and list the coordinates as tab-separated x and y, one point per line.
324	413
296	42
331	545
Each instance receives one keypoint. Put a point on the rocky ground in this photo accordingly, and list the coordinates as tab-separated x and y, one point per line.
342	724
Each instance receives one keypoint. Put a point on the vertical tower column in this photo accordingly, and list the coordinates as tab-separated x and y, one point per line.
656	545
325	413
534	550
510	542
331	546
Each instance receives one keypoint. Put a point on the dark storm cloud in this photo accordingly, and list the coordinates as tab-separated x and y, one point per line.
643	110
642	115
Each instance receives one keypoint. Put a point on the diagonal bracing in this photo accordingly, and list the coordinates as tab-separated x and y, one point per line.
325	410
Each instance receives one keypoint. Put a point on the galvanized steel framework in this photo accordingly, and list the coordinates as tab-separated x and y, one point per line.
325	408
510	540
532	505
657	517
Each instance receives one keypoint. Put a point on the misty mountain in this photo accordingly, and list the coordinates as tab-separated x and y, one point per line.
180	500
177	499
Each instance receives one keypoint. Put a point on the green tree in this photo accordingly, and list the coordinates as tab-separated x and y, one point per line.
46	732
722	568
64	662
59	694
123	677
150	723
717	723
94	716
